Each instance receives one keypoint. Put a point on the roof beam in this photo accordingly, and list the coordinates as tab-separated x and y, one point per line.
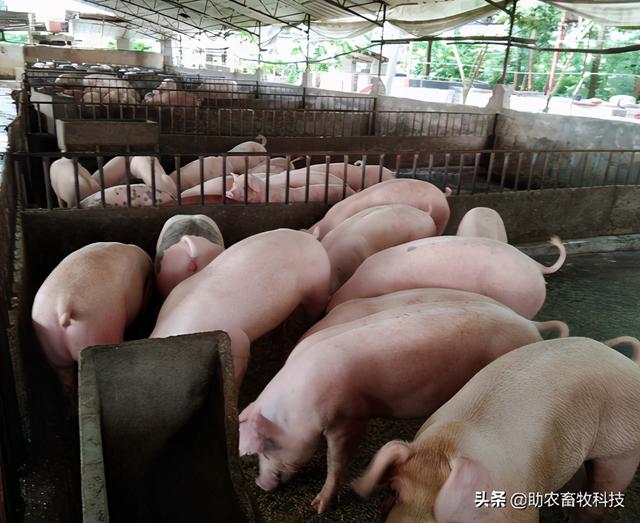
149	26
168	17
351	11
206	15
259	15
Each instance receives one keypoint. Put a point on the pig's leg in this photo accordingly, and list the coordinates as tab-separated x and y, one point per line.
240	344
607	475
342	441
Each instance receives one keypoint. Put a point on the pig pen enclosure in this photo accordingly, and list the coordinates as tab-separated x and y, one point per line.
572	192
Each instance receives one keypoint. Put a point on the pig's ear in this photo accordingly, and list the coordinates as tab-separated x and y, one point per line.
456	499
316	232
255	432
392	454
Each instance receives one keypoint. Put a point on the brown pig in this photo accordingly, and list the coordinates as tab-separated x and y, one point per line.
422	195
398	363
372	230
525	423
481	265
89	299
247	292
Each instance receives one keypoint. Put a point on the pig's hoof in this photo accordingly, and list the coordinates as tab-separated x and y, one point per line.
320	503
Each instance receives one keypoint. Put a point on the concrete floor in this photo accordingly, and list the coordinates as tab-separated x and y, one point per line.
595	294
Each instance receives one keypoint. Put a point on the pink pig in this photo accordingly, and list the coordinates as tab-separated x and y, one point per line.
116	196
63	182
480	265
361	307
148	168
524	424
246	292
422	195
237	164
372	173
187	243
114	172
89	299
398	363
372	230
482	222
257	188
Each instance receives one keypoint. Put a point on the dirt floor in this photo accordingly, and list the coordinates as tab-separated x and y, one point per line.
595	294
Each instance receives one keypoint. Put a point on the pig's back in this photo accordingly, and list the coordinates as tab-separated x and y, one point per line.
409	361
563	390
479	265
250	285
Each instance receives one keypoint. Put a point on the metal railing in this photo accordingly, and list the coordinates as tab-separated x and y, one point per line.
462	171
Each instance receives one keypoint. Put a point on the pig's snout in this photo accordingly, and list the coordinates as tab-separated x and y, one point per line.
268	481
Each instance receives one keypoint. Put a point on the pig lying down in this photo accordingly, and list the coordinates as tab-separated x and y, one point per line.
398	363
187	244
422	195
480	265
63	182
525	423
256	188
482	222
246	292
89	299
141	196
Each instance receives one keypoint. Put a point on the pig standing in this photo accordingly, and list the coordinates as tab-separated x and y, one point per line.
399	363
361	307
525	423
249	289
187	243
63	182
481	265
482	222
422	195
372	230
89	299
